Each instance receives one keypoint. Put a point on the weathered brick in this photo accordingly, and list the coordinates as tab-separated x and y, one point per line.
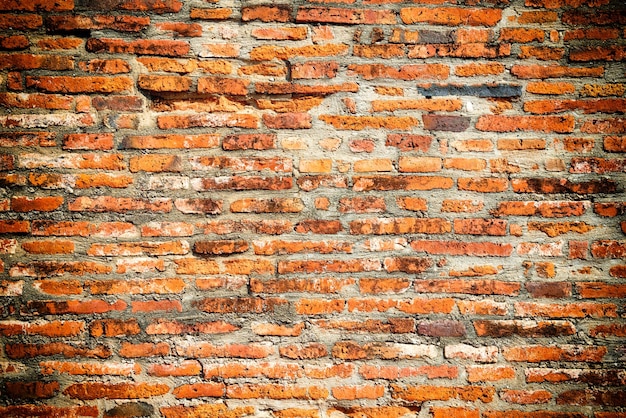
524	328
192	30
442	393
96	390
451	16
522	35
122	23
463	248
20	21
477	69
161	83
91	84
558	124
210	14
554	71
345	16
470	50
207	121
405	72
407	182
357	123
280	33
269	52
266	13
143	47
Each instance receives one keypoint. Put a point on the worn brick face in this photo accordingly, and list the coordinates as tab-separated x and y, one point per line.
312	209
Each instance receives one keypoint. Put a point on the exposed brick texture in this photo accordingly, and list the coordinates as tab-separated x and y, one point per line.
313	208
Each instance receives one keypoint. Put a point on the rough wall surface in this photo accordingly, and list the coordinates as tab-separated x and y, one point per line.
364	209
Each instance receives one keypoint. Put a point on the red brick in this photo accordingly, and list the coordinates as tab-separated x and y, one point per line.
442	412
358	392
279	13
384	226
526	397
278	330
352	16
47	329
40	204
49	247
294	247
269	52
357	123
483	185
32	390
480	226
315	70
598	53
288	121
405	72
210	14
451	16
276	205
303	352
275	391
201	410
504	328
249	141
162	47
554	71
131	350
20	351
280	33
96	390
521	35
487	354
532	414
198	390
31	61
41	101
558	124
367	183
541	53
463	248
476	69
238	305
20	21
600	397
221	85
118	204
88	307
162	83
84	84
442	393
201	350
473	287
114	328
123	23
555	185
578	310
89	368
192	30
585	106
549	290
292	88
207	120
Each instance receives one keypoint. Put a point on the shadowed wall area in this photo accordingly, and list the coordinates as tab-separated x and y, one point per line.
315	209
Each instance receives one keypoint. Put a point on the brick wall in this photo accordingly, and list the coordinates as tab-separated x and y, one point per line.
368	208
